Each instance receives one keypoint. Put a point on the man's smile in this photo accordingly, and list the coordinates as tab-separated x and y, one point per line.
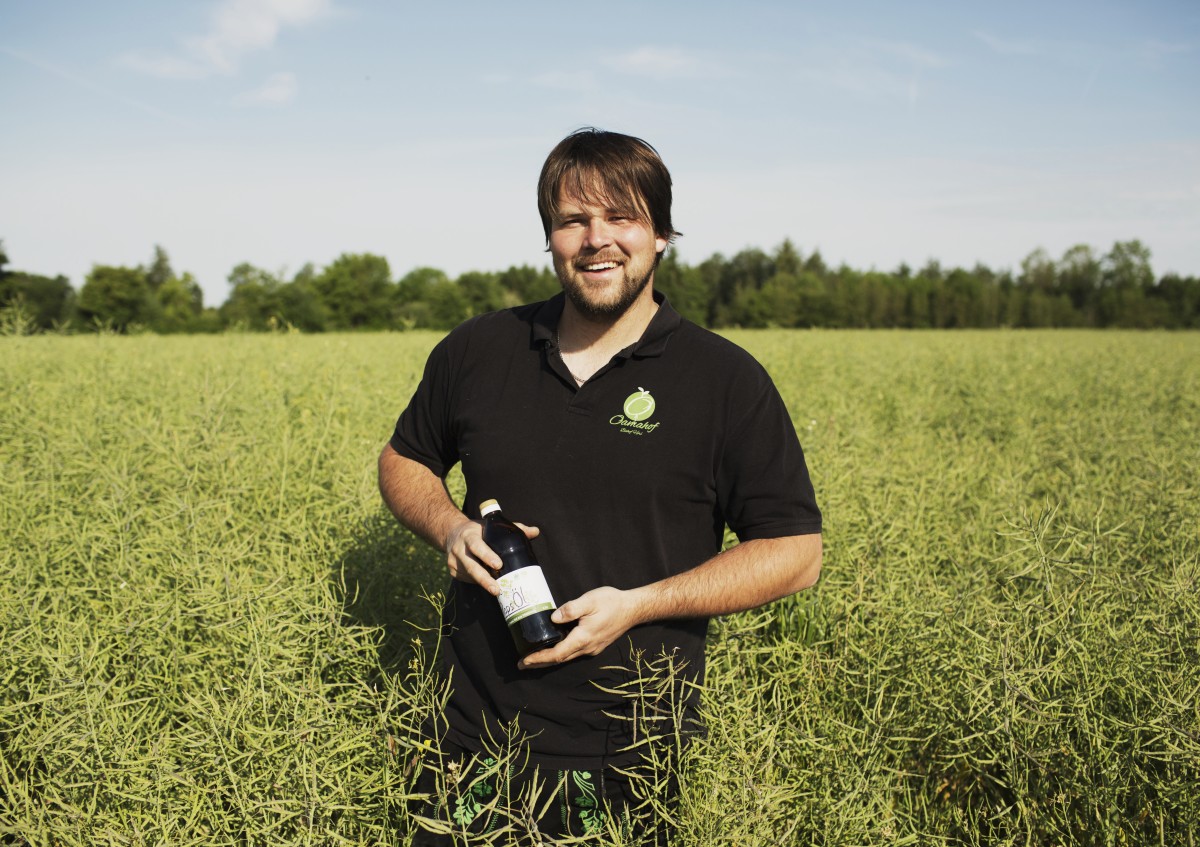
599	266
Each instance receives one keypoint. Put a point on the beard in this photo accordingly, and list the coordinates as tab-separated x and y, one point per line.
631	287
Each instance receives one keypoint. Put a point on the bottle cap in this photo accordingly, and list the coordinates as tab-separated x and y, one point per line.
487	507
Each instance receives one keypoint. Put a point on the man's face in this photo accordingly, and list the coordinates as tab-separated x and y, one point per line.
604	258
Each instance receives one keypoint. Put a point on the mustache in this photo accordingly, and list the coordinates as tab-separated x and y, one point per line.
600	257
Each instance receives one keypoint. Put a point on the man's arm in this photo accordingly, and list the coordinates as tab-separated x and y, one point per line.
748	575
419	500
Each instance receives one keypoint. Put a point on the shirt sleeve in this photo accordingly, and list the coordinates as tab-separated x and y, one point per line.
763	485
424	431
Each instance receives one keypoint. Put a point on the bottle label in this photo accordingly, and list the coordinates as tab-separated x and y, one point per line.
524	592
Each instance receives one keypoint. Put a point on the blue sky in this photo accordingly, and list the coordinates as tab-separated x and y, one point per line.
280	132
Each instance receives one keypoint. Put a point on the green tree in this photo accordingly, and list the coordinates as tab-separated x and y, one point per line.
483	292
1126	276
119	297
748	269
254	298
1011	296
1079	278
1127	265
413	296
932	271
1039	272
783	303
356	291
1180	299
918	294
181	304
448	305
885	295
815	264
529	285
812	297
49	301
684	286
957	300
787	259
712	271
848	299
160	269
988	309
300	304
748	308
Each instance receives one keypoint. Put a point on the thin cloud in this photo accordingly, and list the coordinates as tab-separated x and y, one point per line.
856	78
871	69
83	82
1158	54
566	80
164	67
663	63
279	89
911	54
917	59
239	27
1008	46
1064	52
861	79
1166	48
658	63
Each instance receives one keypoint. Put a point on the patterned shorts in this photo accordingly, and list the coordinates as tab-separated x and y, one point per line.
481	802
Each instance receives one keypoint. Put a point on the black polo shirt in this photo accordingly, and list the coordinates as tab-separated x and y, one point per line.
631	479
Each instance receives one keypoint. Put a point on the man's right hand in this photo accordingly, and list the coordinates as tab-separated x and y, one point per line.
469	559
420	500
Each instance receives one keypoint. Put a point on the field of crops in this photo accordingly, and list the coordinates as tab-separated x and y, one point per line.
211	630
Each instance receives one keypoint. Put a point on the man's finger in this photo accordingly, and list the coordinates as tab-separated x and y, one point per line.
465	568
530	531
484	554
573	610
563	651
483	577
564	614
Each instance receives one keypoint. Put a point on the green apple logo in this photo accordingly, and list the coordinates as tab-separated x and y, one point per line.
639	405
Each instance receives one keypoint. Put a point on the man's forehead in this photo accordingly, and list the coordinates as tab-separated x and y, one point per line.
594	197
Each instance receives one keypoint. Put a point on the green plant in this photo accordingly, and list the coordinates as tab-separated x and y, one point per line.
208	619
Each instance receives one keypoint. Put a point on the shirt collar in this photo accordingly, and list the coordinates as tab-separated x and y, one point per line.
652	343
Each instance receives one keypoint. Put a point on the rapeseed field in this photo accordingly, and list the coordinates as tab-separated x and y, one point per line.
212	633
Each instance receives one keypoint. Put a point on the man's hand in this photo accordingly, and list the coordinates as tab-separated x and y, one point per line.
602	616
469	559
745	576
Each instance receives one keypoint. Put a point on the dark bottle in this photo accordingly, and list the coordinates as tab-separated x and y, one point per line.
524	595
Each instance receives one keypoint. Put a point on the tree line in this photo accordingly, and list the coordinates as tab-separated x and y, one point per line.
753	288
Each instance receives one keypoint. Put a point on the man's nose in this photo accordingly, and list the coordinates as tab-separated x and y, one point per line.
598	234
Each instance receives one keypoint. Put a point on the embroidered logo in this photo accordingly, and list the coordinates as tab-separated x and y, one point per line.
636	410
639	405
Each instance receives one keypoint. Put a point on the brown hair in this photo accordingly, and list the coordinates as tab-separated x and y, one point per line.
608	169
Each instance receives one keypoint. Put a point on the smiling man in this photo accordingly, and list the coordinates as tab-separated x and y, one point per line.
627	438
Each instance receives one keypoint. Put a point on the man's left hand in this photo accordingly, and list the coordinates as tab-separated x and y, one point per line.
602	615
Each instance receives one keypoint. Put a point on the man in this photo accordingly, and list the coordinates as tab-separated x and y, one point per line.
630	437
